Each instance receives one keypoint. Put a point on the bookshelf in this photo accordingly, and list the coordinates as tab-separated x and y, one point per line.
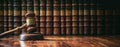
60	17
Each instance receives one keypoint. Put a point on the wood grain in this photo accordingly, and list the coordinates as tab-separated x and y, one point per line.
64	41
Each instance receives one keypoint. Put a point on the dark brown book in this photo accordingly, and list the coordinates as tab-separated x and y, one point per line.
109	22
57	28
93	14
100	21
81	25
93	28
37	14
42	24
63	17
49	14
68	12
23	12
57	24
24	7
42	17
69	18
87	17
57	18
17	15
75	27
56	7
81	17
38	24
10	15
5	15
49	24
37	7
86	28
75	30
75	17
42	8
49	19
43	30
68	28
49	7
30	5
1	16
115	20
49	30
63	28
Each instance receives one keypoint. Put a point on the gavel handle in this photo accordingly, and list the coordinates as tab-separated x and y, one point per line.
13	30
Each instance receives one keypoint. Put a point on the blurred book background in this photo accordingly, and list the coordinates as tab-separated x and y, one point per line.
63	17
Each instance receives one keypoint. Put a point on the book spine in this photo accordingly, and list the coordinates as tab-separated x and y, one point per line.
68	17
17	14
1	16
37	13
23	12
10	15
87	17
100	19
43	17
109	22
81	17
30	7
49	17
5	15
93	14
114	22
75	17
57	18
63	17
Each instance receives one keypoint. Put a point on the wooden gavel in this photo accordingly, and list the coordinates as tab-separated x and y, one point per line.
29	25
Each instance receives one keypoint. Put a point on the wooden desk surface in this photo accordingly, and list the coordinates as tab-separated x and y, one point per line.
64	41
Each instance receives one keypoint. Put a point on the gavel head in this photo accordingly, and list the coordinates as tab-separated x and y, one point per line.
30	19
30	14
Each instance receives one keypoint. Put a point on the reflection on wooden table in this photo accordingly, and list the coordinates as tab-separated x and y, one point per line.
64	41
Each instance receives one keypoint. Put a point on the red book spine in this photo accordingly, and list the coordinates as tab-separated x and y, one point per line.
68	17
57	17
43	17
75	17
63	17
37	14
49	17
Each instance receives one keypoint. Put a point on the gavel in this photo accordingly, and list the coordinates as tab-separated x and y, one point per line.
30	23
29	27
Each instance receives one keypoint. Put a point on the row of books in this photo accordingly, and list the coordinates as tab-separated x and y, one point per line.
58	17
1	18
